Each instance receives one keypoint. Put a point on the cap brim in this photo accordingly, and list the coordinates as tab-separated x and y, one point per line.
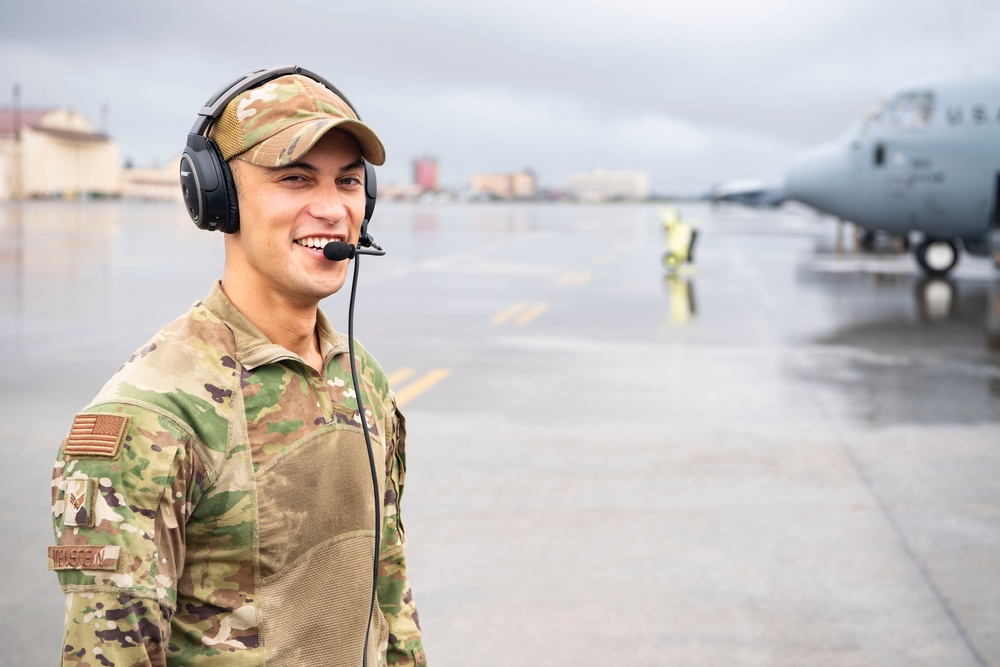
293	142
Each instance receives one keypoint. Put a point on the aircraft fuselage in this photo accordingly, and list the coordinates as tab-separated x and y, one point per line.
926	161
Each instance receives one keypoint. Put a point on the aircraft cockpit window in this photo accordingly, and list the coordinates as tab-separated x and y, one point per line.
917	111
909	110
873	114
889	110
870	116
926	109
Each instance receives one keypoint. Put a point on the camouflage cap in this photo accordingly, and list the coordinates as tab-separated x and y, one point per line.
278	122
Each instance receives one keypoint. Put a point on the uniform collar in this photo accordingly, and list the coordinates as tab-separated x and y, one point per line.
253	348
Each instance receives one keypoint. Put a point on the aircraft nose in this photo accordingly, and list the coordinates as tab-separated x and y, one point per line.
821	178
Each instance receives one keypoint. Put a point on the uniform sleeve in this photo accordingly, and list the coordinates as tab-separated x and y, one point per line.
406	647
122	485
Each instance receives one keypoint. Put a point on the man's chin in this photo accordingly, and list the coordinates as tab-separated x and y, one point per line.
329	288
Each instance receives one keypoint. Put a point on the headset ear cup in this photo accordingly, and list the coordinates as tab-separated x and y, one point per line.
232	202
191	187
207	186
371	191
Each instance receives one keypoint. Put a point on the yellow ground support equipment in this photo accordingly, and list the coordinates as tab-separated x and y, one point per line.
680	238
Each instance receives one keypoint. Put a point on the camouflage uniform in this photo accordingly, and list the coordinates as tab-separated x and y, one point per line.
213	505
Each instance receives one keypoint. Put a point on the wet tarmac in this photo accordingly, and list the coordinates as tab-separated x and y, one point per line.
783	455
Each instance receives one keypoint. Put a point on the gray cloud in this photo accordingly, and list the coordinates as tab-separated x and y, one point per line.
694	92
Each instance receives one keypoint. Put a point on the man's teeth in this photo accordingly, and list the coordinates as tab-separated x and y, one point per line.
314	242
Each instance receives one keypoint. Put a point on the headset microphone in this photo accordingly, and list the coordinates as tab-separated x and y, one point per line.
338	251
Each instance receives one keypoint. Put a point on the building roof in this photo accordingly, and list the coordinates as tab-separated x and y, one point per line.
29	117
32	117
72	135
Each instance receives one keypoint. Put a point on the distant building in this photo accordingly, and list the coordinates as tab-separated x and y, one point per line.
55	153
397	192
600	185
153	183
513	185
425	173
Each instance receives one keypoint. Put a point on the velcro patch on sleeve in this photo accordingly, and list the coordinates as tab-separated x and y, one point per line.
79	507
97	435
84	557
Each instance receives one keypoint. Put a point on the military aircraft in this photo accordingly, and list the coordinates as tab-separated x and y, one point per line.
927	160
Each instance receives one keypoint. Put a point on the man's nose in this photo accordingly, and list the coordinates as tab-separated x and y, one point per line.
329	205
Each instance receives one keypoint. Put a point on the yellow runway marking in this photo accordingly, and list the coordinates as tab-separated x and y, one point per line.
532	313
500	318
402	375
420	385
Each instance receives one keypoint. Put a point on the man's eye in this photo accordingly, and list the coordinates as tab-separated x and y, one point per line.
350	180
292	178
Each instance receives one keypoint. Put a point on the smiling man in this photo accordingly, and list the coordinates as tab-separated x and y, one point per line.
214	503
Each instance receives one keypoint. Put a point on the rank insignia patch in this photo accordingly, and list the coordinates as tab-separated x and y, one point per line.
79	499
84	558
98	436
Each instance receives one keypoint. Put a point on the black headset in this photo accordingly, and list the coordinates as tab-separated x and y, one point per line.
206	179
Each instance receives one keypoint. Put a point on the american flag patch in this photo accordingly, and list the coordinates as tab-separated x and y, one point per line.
96	435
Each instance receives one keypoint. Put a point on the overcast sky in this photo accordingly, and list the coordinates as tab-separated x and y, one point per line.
695	92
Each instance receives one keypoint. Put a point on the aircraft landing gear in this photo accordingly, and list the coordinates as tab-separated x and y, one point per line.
937	256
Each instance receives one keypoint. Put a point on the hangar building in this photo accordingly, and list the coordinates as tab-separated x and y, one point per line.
55	152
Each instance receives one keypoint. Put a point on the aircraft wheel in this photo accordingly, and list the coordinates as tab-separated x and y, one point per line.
937	256
671	261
